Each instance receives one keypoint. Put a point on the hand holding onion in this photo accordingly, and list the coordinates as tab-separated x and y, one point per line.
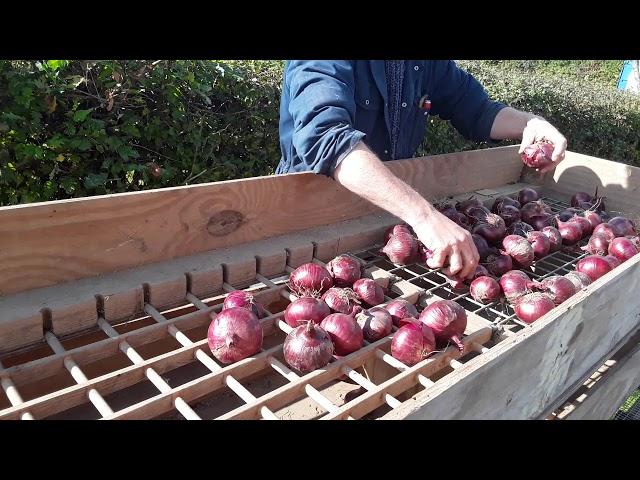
451	246
533	149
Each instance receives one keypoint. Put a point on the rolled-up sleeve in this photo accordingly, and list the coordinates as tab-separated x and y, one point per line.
459	97
322	106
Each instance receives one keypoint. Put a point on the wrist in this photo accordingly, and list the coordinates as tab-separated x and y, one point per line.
423	213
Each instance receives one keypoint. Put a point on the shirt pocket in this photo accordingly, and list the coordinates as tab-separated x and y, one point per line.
369	107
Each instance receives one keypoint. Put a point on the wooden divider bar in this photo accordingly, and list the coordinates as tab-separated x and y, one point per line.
181	406
12	394
208	362
78	375
404	380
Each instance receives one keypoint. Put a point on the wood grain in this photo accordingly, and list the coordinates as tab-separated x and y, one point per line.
48	243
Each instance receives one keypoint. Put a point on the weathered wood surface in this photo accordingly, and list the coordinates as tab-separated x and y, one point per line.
48	243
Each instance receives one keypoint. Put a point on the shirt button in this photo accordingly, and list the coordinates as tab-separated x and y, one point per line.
404	104
386	152
366	102
416	68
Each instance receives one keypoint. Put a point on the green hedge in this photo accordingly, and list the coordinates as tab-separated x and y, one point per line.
78	128
596	120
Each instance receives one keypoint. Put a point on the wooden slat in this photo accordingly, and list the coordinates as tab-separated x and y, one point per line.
554	352
180	405
12	394
78	375
52	242
374	398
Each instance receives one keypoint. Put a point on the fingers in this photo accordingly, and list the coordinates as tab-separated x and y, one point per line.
560	146
528	137
471	258
455	263
438	258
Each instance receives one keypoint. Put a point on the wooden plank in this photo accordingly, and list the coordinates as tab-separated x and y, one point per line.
52	242
522	375
607	394
619	182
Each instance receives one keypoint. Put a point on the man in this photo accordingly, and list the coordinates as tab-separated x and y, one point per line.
343	118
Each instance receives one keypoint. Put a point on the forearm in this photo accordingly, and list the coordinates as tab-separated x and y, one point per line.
510	123
364	174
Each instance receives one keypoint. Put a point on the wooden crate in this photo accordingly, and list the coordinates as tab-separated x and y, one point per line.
105	302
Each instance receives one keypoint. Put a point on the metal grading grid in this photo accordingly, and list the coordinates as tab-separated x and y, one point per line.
429	284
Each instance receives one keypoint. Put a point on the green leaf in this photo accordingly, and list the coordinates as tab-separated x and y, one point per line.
94	180
81	115
126	152
56	64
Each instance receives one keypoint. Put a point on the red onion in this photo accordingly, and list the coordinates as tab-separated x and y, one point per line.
477	214
448	321
242	299
593	266
527	195
480	272
401	309
345	270
597	245
604	216
534	208
344	331
412	343
234	334
579	280
570	232
492	228
509	214
519	228
622	226
593	218
499	263
533	306
585	225
402	248
456	282
503	201
375	323
519	249
613	261
555	239
464	205
565	215
606	230
309	280
635	240
481	245
341	300
306	309
540	243
538	222
515	284
579	198
485	290
558	288
622	248
395	229
369	291
307	348
538	155
462	220
413	320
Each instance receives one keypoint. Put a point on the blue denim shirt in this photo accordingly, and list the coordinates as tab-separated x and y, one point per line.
329	106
